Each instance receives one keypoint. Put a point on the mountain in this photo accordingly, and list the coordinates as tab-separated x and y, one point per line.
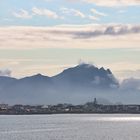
87	75
28	89
4	81
74	85
35	80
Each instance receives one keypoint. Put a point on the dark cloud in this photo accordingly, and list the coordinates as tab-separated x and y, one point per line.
111	30
93	31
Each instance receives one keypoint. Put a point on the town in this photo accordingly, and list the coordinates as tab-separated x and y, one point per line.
89	107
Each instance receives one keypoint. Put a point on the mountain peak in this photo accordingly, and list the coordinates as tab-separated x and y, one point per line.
87	75
83	79
102	69
39	75
86	65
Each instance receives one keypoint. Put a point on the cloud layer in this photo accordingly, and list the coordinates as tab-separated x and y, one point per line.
71	36
111	30
114	2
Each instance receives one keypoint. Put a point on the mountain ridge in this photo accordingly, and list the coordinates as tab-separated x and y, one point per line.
75	84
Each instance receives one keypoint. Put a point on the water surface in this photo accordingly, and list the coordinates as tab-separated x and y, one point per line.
70	127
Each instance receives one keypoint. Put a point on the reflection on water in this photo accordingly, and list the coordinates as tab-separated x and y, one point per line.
70	127
112	119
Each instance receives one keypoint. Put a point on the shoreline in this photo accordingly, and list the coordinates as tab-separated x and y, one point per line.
32	114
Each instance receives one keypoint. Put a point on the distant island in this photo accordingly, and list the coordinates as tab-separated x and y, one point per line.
73	85
89	107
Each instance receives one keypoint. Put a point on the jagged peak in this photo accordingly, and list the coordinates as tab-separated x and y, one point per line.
87	67
102	68
109	71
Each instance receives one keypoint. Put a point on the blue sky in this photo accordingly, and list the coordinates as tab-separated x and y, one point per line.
57	34
112	14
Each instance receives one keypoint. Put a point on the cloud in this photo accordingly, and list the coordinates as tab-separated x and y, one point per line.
131	84
5	72
94	11
36	12
70	32
109	3
44	12
129	73
73	12
93	18
22	14
110	30
63	36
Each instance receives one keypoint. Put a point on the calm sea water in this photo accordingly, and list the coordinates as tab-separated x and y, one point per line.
70	127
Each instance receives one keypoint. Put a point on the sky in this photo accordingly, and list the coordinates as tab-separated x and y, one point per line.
48	36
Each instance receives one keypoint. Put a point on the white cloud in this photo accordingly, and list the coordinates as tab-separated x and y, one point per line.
129	73
131	84
93	18
53	15
94	11
44	12
114	2
5	72
73	12
36	12
22	14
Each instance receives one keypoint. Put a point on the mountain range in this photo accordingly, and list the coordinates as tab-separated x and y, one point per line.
75	85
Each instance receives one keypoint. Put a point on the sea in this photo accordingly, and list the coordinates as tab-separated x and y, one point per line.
70	127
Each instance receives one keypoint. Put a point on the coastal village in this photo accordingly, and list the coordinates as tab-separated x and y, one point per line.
89	107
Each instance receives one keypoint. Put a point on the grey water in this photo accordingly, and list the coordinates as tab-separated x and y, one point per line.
70	127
